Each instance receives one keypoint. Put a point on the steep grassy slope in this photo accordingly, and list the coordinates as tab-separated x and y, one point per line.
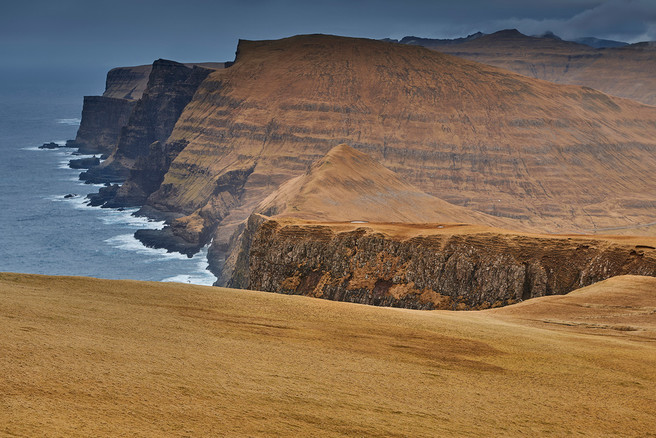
344	186
348	185
555	157
86	357
623	71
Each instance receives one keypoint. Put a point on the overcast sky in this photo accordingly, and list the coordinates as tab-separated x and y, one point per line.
128	32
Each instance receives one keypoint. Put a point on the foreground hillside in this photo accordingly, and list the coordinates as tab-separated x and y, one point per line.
87	357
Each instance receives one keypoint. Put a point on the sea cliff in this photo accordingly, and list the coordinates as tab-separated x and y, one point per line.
170	87
104	116
554	157
203	148
427	266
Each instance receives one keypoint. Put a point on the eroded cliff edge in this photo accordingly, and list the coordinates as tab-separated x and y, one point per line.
171	85
104	116
428	266
558	158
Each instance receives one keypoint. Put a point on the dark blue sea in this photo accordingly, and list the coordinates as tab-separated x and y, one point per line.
41	232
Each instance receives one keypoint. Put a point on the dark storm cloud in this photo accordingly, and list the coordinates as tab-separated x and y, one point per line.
120	32
625	20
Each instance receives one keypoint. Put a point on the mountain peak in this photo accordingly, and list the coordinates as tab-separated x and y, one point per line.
347	184
508	33
551	35
344	150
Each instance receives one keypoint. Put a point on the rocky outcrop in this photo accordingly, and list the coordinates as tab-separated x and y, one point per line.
104	116
171	86
84	163
127	82
52	145
427	266
104	194
102	120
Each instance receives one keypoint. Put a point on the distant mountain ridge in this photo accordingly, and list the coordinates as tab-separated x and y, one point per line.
597	43
614	67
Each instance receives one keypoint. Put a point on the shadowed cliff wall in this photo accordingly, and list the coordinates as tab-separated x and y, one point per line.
449	270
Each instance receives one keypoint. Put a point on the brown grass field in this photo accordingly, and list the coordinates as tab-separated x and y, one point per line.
88	357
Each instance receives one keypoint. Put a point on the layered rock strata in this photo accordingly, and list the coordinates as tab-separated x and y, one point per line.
625	71
443	266
104	116
171	85
558	158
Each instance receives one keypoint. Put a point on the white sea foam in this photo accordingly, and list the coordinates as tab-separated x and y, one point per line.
37	148
128	242
116	217
75	156
70	122
80	202
90	187
200	279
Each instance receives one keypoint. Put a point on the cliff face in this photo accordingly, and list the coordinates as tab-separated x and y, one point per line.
102	119
127	82
104	116
348	185
428	266
171	86
558	158
620	71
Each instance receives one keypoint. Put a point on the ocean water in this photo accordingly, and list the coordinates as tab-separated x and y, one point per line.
42	232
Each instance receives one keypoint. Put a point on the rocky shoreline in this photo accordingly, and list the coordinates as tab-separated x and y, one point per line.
125	129
201	149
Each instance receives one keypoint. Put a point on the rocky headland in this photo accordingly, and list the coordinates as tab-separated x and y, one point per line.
104	116
462	142
351	230
428	266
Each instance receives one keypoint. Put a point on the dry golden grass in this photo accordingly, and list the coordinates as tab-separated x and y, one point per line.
347	185
400	230
87	357
624	304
